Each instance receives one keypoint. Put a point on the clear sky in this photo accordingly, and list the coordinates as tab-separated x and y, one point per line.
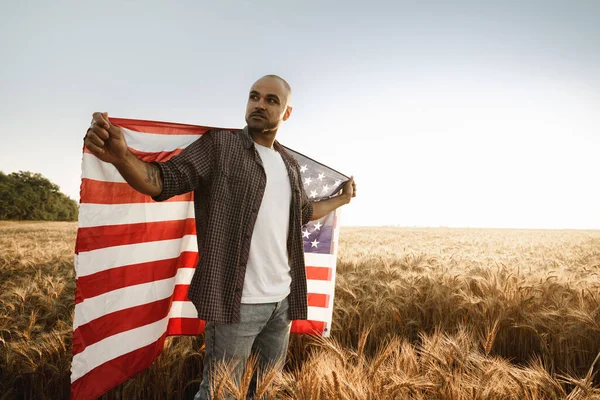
448	113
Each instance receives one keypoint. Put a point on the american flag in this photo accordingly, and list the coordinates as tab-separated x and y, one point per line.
134	260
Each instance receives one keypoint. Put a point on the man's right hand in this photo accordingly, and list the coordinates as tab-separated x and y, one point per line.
106	141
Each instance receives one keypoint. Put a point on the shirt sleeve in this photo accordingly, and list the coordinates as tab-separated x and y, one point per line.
189	170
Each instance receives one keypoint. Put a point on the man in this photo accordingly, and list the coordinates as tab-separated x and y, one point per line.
250	205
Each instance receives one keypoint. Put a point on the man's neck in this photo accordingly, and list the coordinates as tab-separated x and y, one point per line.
265	139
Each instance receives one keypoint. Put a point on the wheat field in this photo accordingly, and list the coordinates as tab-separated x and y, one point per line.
419	314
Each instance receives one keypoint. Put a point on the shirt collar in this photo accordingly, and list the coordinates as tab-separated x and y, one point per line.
246	138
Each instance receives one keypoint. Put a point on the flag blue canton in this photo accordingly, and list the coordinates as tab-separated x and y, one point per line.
320	183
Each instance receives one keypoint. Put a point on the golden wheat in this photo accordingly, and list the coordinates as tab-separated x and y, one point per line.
419	314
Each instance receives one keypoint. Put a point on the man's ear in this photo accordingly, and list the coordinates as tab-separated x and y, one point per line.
288	112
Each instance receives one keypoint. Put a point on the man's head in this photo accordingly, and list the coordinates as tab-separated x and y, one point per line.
268	104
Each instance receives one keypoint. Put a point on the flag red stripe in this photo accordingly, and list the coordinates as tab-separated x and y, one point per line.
98	192
185	326
116	278
119	321
163	128
110	374
160	156
308	327
319	273
318	300
180	293
193	326
99	237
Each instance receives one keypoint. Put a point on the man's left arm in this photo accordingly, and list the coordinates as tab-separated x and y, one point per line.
324	207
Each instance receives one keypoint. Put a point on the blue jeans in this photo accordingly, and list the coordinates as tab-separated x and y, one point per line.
263	329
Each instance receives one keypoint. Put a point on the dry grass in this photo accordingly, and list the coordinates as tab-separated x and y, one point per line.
419	314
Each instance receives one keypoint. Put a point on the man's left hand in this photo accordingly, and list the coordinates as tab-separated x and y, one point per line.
349	190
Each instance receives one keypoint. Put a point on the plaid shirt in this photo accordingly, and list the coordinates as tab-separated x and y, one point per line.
228	179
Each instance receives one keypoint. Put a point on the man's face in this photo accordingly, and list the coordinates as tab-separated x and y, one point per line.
267	105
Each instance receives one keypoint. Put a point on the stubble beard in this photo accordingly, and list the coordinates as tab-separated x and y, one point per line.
262	127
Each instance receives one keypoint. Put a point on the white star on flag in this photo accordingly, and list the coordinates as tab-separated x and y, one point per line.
315	243
321	177
303	168
305	234
313	193
307	181
325	188
337	183
318	225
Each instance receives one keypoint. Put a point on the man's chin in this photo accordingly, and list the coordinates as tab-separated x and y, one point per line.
256	124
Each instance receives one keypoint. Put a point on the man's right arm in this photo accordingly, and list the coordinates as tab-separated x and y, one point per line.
144	177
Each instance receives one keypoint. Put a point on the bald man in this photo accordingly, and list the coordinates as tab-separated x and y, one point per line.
250	205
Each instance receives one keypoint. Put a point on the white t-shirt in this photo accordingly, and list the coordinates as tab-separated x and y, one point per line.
268	276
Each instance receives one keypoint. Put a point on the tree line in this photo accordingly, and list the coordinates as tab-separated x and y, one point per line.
30	196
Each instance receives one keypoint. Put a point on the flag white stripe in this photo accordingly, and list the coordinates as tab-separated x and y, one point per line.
91	215
91	262
319	260
93	168
325	287
153	143
319	314
183	309
130	296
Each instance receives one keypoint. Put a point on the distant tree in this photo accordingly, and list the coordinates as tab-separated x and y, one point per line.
31	196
